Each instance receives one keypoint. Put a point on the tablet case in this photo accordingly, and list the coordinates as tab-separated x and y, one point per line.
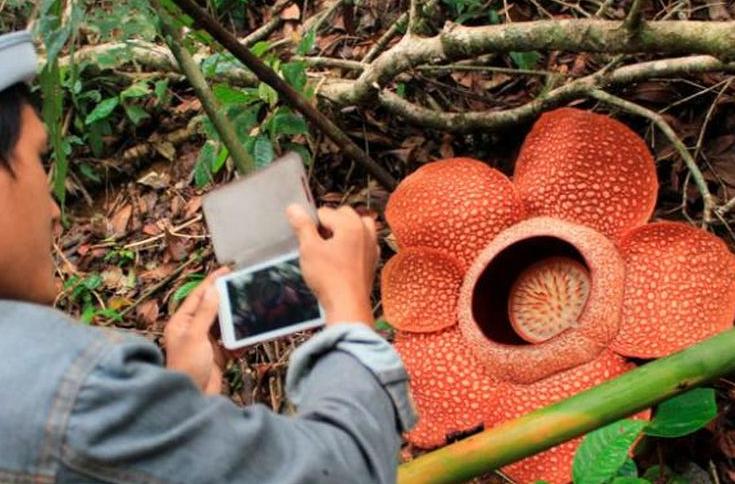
247	218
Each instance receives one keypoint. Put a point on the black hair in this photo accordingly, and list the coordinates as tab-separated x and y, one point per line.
12	101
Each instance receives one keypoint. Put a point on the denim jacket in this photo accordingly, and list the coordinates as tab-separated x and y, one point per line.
80	404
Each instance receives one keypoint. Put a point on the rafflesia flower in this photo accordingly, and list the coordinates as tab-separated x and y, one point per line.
509	296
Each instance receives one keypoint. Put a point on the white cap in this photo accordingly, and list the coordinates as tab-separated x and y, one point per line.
18	59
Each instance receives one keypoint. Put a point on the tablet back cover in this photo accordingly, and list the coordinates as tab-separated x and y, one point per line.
247	217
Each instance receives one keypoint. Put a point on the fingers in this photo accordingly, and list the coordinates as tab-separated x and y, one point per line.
206	312
371	234
302	224
190	304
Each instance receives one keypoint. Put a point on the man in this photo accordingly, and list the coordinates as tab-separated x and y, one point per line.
80	404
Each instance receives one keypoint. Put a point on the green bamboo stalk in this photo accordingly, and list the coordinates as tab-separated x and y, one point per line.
537	431
243	161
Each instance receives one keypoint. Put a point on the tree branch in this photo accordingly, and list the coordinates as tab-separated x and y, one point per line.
296	100
458	42
243	160
382	42
634	20
491	120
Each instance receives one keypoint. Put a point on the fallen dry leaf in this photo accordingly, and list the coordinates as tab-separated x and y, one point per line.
147	313
192	206
155	180
157	273
120	220
292	12
177	247
113	278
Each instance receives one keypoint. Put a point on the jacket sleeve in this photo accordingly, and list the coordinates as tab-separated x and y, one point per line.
134	421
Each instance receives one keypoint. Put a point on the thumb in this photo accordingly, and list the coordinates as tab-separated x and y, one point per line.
301	222
206	312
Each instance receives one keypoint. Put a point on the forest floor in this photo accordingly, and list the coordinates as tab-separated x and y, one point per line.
135	241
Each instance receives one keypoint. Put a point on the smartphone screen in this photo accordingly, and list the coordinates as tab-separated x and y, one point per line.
266	301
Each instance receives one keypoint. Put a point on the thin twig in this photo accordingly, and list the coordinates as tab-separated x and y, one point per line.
164	282
724	209
707	198
296	100
710	111
413	16
382	42
263	31
634	20
603	8
243	161
322	17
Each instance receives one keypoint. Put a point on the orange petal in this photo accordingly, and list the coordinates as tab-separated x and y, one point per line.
587	168
451	391
555	464
420	288
679	289
458	205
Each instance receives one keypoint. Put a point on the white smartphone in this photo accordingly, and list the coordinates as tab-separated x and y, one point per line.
265	296
266	301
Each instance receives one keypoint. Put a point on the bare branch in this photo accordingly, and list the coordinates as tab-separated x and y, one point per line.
475	120
378	47
634	20
457	42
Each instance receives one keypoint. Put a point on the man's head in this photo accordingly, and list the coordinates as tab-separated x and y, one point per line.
28	213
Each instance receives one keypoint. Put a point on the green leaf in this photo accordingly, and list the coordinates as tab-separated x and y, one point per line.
307	42
401	89
205	160
628	469
88	314
494	17
683	414
263	151
245	119
92	282
295	74
664	474
137	90
102	110
383	325
302	150
161	91
89	173
219	162
525	60
260	48
630	480
604	451
136	114
183	292
228	96
289	123
267	94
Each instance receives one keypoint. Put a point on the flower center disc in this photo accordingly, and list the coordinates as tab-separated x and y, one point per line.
548	298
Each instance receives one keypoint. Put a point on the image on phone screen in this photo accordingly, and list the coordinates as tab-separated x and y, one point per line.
268	301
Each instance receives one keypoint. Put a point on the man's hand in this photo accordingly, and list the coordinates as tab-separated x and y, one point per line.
189	347
340	270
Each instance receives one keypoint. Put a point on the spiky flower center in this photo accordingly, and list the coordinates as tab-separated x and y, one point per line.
548	298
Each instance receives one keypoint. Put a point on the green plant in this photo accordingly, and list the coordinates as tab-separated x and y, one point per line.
264	125
120	256
78	109
185	289
81	290
603	456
